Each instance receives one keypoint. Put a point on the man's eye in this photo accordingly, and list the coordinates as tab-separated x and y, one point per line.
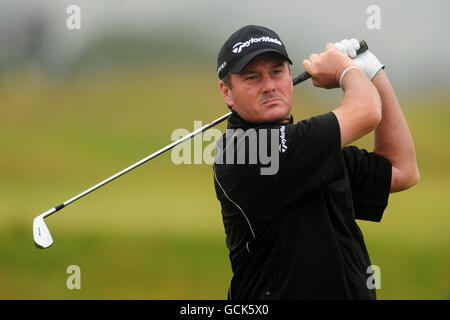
250	78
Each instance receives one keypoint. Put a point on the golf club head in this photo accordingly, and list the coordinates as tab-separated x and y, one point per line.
41	235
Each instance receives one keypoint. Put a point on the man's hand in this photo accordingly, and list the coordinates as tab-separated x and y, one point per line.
366	60
326	68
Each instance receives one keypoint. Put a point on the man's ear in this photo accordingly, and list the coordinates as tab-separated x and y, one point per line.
225	90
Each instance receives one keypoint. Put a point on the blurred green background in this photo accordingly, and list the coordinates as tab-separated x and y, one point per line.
73	120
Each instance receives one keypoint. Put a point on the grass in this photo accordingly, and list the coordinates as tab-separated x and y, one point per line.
115	265
157	233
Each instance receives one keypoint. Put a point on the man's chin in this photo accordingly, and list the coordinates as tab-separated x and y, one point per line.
277	113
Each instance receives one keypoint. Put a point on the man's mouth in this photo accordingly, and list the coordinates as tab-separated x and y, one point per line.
271	101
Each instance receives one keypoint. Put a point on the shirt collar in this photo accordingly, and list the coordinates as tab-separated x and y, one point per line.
235	121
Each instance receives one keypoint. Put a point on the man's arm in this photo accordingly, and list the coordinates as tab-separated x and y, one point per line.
393	139
359	112
360	109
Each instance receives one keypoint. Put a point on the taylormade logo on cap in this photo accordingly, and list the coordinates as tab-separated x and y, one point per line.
237	48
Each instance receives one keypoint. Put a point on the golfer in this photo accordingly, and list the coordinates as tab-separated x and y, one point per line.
291	233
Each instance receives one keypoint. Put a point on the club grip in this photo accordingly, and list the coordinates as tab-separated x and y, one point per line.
59	207
305	75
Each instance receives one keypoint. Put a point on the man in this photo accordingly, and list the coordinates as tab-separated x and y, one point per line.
292	234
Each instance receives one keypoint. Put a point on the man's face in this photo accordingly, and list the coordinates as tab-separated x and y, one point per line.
262	92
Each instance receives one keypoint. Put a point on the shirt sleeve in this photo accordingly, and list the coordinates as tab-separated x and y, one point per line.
309	158
312	158
370	179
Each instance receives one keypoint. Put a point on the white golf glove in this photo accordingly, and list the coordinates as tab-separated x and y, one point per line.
366	60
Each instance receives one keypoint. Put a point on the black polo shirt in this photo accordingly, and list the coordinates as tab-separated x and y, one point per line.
292	234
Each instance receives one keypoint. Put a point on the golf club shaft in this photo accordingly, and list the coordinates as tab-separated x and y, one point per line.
302	77
137	164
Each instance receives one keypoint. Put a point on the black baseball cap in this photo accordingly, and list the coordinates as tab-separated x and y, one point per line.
245	44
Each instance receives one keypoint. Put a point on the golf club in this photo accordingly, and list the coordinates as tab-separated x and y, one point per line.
41	235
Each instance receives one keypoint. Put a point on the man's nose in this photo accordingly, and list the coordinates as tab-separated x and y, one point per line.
268	84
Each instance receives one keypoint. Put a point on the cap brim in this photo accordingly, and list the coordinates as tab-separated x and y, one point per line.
246	59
